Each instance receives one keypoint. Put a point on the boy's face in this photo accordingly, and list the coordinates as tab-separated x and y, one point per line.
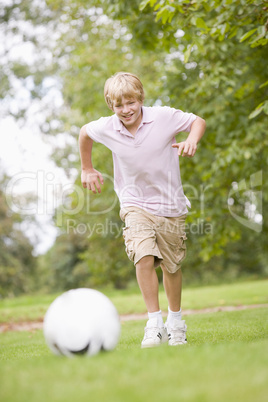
129	112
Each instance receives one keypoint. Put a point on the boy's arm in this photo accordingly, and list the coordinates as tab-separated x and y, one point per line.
189	146
90	177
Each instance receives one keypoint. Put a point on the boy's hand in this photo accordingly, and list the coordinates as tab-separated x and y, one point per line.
91	179
188	147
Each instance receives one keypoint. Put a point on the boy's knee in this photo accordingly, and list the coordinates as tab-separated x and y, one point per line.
146	262
169	273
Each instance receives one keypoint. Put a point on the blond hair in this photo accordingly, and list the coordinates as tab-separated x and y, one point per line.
125	85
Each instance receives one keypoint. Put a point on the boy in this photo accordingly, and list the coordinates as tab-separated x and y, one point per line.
147	182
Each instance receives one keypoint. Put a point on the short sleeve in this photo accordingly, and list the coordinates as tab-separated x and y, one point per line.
184	120
179	120
93	130
101	131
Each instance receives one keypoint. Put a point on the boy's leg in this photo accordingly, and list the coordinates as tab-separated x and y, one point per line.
176	327
173	285
148	282
155	332
142	249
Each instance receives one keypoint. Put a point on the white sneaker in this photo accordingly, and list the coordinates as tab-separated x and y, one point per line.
153	334
176	333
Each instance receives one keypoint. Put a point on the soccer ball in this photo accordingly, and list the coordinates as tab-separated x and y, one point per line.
81	321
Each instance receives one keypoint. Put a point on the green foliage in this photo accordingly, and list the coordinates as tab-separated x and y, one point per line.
221	21
207	57
17	264
216	67
200	59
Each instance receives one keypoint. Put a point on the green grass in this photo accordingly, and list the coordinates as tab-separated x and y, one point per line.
29	308
225	360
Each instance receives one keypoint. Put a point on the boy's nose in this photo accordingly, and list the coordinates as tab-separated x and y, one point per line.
125	108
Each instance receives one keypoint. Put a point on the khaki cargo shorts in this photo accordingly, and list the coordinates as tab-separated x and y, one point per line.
148	234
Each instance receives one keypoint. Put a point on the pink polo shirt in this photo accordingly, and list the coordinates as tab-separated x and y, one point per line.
146	167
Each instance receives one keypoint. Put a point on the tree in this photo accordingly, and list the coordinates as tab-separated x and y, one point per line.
28	68
17	263
222	21
208	57
216	53
212	59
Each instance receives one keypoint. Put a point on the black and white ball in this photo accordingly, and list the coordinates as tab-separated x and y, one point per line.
81	321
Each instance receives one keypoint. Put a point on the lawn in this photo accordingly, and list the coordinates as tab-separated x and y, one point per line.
225	358
33	307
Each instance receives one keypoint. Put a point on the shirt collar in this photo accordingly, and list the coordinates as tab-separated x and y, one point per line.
146	118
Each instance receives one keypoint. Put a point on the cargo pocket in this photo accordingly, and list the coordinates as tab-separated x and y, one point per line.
181	248
128	243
